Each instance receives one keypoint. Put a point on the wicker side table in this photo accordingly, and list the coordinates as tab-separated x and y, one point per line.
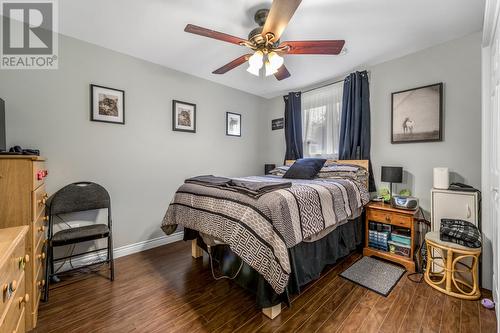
446	268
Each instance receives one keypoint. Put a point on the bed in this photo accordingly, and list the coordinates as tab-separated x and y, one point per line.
274	235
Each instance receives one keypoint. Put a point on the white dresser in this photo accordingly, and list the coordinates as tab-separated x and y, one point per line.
454	205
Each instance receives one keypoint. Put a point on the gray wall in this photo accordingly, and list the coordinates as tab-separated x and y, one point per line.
142	162
458	65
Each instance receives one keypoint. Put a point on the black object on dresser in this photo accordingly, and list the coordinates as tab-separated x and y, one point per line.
268	168
2	126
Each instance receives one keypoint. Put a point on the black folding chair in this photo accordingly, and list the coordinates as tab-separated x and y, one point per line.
77	197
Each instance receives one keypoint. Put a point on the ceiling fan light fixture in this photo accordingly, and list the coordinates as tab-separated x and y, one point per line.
275	60
270	70
253	70
255	60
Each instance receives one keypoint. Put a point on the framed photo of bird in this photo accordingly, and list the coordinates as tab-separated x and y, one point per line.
417	114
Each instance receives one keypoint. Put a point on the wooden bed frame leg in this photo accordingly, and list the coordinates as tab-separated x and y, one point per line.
272	312
196	251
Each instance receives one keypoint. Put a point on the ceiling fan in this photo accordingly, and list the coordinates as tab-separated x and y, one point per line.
265	42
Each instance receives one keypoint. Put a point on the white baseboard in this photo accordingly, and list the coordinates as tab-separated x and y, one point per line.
121	251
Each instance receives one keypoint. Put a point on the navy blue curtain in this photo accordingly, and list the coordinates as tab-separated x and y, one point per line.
293	126
355	121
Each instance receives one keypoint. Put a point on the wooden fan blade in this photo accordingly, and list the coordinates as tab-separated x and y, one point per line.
282	73
194	29
280	14
314	46
232	65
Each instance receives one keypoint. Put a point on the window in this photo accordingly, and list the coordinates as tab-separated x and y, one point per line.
321	110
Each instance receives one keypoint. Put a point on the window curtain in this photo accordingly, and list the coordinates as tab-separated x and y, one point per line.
321	109
355	121
293	126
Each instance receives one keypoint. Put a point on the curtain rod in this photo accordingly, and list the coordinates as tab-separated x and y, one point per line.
325	85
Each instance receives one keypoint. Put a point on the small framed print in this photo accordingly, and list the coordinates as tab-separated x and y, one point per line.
107	104
183	116
233	124
277	124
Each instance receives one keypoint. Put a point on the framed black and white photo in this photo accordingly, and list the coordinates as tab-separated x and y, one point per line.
107	104
183	116
233	124
417	114
277	124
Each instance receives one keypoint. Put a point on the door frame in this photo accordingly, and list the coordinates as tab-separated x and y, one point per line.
489	228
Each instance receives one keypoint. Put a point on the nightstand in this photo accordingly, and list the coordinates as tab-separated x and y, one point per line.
385	217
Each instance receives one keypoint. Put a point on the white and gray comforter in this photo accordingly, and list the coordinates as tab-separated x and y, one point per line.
261	230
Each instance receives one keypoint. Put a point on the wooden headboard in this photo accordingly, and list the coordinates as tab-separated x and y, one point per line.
361	163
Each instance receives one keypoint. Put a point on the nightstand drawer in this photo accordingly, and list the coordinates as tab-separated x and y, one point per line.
390	218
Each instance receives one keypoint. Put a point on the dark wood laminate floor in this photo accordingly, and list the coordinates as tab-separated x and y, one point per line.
165	290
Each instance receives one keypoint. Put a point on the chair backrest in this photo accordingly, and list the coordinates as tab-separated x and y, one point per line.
78	197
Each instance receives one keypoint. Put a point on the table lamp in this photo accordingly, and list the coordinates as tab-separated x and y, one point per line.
391	174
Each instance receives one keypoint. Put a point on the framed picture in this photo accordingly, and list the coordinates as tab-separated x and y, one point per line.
183	116
277	124
233	124
417	114
107	104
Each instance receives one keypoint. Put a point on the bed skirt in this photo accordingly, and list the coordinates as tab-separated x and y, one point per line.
327	251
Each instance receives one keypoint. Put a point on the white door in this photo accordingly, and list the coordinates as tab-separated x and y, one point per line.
491	135
494	174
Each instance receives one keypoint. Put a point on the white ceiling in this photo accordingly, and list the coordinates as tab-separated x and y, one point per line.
374	30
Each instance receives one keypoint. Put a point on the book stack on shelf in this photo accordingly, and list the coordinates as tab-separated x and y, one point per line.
379	236
389	238
400	242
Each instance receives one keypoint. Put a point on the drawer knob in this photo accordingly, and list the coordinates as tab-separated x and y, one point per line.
24	299
387	218
42	202
41	229
45	219
41	256
9	288
41	283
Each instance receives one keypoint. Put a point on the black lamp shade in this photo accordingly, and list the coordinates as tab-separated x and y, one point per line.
392	174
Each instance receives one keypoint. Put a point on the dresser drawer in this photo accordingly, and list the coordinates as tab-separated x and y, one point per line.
39	198
39	229
39	260
38	285
11	273
39	173
21	324
15	308
390	218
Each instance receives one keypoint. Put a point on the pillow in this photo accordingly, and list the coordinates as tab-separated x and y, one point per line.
279	171
354	172
305	168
